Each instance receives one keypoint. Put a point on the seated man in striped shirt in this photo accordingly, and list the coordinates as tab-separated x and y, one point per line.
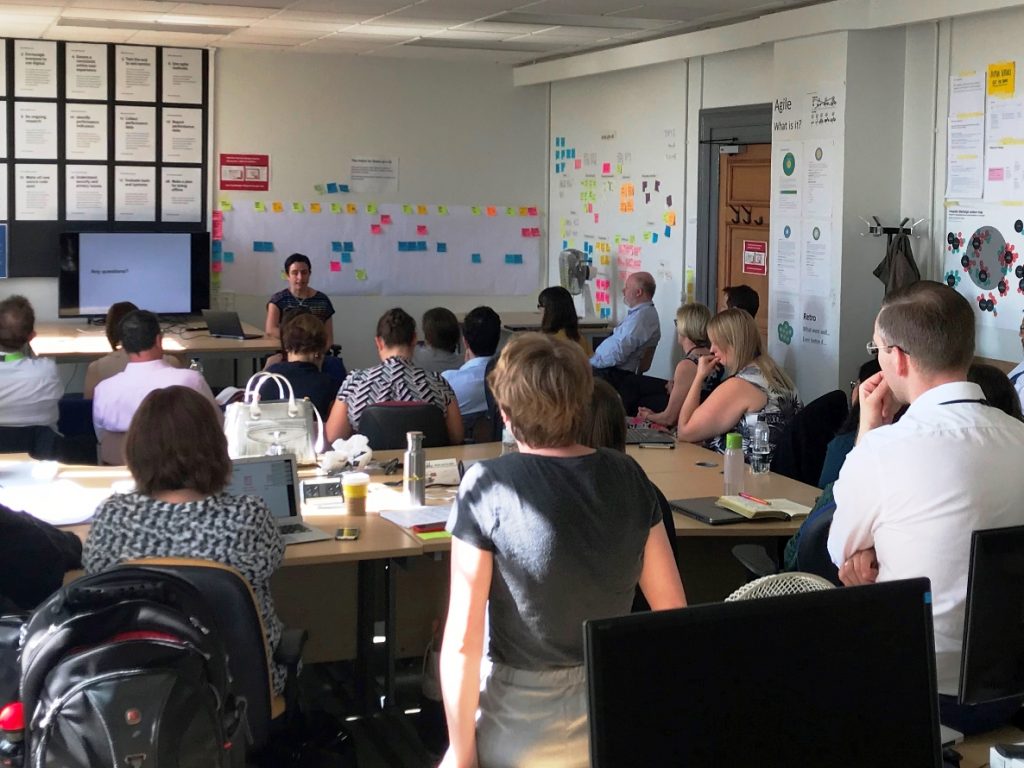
396	378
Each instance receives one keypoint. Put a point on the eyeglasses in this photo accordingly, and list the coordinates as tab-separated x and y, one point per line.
873	348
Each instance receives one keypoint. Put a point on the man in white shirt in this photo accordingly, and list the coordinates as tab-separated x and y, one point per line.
481	332
29	386
116	399
910	493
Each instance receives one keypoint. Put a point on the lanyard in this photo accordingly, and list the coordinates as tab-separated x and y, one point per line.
956	402
10	357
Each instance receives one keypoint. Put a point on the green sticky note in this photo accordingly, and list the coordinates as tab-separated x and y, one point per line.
476	210
225	205
360	274
632	239
434	535
408	209
371	207
618	239
442	210
319	188
335	207
510	211
297	208
647	237
260	206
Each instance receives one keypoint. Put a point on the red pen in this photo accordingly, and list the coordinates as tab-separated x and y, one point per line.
754	498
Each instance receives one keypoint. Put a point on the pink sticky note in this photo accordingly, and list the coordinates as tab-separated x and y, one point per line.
526	231
376	229
217	266
535	232
579	164
606	168
421	229
335	266
385	218
597	217
532	210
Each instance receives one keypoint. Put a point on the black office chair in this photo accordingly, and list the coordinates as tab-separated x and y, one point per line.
40	443
812	552
385	424
242	630
800	452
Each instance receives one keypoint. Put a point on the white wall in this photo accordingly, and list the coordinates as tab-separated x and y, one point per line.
463	135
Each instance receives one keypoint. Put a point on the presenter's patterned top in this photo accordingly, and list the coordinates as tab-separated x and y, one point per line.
235	530
394	379
318	304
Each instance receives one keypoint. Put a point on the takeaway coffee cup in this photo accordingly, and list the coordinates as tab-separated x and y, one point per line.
354	486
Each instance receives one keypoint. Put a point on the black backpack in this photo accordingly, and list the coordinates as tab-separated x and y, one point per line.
126	668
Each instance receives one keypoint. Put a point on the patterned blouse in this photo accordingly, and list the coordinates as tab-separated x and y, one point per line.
782	405
318	304
394	379
235	530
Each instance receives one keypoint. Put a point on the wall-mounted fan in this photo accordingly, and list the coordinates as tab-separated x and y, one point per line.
574	273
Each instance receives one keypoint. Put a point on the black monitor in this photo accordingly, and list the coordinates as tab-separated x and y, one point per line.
841	678
992	663
164	272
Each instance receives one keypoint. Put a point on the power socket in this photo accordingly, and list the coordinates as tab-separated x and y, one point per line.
321	488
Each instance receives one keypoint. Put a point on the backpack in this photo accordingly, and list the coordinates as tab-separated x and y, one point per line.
127	668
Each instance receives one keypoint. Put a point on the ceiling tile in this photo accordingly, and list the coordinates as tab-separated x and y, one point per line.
221	11
90	35
163	38
368	8
123	5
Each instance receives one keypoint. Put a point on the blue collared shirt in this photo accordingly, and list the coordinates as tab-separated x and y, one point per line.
468	383
625	347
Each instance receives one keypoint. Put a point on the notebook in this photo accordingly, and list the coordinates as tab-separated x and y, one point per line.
775	509
643	436
273	479
226	325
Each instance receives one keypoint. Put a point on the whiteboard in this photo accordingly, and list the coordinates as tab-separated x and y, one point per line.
616	186
391	249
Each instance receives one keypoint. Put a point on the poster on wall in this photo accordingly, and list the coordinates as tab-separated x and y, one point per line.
85	132
755	257
85	71
245	172
182	135
134	134
35	130
789	175
181	194
35	69
135	194
35	192
85	193
374	175
965	157
182	76
820	160
135	73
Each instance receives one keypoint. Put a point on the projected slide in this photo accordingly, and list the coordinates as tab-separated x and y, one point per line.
148	268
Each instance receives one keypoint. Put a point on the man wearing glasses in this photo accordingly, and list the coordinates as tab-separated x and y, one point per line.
910	493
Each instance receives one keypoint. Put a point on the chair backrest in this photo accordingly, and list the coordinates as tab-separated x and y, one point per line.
112	448
492	404
812	552
800	452
38	441
385	424
777	584
645	360
241	629
479	427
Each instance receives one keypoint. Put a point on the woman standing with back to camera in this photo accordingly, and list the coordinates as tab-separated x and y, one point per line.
544	539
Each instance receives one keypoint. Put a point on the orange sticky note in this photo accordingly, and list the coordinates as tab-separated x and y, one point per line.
351	208
277	207
492	211
421	210
524	211
314	207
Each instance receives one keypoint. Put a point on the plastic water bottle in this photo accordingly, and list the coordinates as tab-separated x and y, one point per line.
760	448
415	474
508	442
734	467
195	364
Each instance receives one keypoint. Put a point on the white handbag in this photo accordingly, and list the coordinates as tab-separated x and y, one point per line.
257	429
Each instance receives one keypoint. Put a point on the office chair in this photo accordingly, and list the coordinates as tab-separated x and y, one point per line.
39	442
800	452
385	424
242	630
778	584
811	555
111	448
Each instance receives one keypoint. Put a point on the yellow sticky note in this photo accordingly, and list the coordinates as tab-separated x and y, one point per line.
225	205
442	210
669	218
351	208
1001	76
259	206
421	210
314	207
524	211
360	274
407	209
277	207
605	261
371	208
335	207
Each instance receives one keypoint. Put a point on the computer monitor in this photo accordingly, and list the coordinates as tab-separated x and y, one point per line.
838	678
992	663
164	272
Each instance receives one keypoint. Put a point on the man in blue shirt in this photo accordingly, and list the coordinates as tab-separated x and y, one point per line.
481	331
627	353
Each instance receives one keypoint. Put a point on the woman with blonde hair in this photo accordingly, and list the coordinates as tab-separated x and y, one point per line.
692	333
543	540
754	386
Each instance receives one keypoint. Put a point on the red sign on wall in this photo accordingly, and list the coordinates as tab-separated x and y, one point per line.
755	257
248	172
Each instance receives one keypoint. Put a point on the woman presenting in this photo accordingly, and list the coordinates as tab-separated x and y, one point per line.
299	294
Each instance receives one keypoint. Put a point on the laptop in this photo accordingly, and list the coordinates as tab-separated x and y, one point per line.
273	479
645	436
226	325
705	510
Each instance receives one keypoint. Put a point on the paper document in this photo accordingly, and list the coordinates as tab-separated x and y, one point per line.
425	515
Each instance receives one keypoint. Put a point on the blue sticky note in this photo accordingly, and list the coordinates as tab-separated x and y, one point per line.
218	246
513	258
215	257
403	245
475	258
263	246
442	247
229	257
346	258
348	246
668	231
565	244
343	187
421	245
572	154
332	187
654	237
336	246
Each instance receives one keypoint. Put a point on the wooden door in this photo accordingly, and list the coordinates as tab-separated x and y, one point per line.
744	196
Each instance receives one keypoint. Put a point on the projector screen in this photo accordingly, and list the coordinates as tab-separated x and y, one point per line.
163	272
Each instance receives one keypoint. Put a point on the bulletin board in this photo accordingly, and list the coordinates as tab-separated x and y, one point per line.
393	249
98	138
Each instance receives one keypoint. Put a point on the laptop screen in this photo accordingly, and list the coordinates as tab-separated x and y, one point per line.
271	478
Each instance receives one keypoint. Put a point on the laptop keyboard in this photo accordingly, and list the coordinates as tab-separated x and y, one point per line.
647	435
292	528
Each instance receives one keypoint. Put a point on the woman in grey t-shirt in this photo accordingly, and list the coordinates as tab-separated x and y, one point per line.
544	539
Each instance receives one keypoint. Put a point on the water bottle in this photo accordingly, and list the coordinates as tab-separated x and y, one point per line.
196	365
508	442
760	448
12	735
734	467
415	473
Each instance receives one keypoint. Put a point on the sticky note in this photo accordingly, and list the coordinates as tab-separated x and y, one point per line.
526	231
579	164
408	209
654	237
360	274
343	187
647	237
492	211
346	258
260	246
371	208
335	207
259	206
216	266
532	210
421	245
319	188
668	201
403	246
349	247
524	211
336	246
314	207
332	188
225	205
442	210
668	231
298	208
442	247
510	211
217	246
421	229
421	210
376	229
335	266
351	208
385	218
475	210
513	258
597	217
475	258
670	218
277	207
229	257
606	168
215	257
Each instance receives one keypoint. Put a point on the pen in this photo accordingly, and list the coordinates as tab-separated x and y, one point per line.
754	498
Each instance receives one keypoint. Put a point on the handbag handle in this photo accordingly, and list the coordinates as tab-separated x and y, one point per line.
252	393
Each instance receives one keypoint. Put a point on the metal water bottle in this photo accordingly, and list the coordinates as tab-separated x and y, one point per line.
415	474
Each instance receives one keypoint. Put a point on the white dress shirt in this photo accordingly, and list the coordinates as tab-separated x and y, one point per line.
29	391
117	398
625	347
915	490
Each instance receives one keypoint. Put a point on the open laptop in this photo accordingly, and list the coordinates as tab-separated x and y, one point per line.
226	325
647	437
273	479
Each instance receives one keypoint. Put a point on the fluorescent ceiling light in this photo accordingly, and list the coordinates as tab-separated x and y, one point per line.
577	20
194	29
